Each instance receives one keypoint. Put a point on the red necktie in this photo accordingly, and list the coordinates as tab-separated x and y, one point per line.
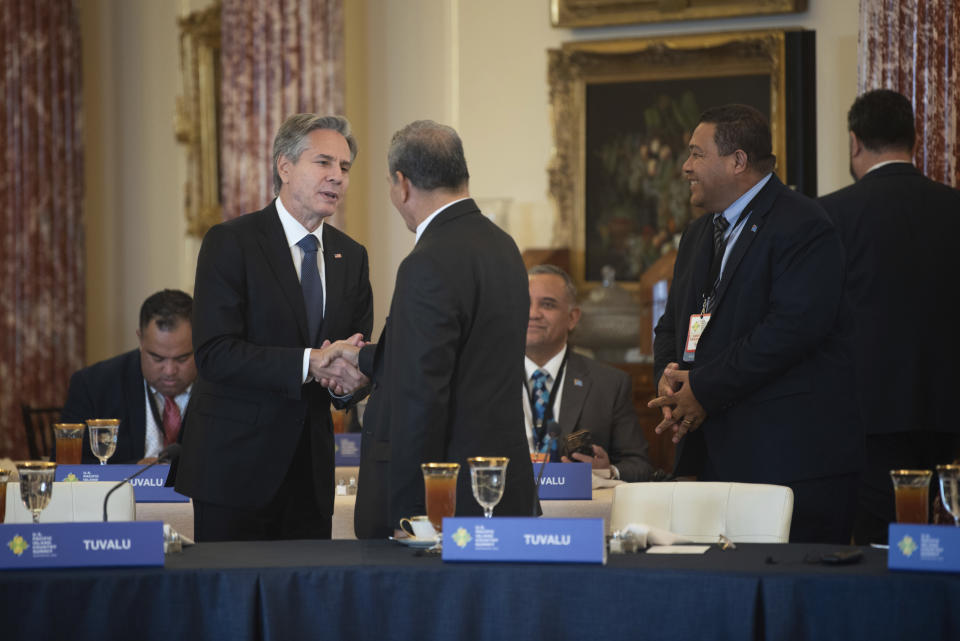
171	421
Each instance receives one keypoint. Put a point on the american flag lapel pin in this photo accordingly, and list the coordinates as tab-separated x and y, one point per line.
754	229
339	255
577	382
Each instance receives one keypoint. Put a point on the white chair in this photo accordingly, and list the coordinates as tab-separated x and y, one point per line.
743	512
79	501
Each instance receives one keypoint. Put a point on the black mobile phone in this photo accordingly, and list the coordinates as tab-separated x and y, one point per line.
841	557
579	441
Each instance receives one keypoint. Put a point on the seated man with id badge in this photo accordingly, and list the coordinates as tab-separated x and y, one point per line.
576	409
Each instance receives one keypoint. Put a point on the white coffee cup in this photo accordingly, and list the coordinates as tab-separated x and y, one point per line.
418	527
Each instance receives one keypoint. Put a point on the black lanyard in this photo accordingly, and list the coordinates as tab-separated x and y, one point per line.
551	396
156	412
713	278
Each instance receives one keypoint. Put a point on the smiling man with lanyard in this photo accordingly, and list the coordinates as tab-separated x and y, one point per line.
752	353
566	391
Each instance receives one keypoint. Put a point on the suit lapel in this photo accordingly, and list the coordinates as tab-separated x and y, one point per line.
757	210
576	385
335	269
703	257
273	243
135	390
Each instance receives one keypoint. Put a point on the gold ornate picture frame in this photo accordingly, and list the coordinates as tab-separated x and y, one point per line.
198	118
596	13
622	113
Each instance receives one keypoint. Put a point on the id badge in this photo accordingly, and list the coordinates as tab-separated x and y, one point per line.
698	323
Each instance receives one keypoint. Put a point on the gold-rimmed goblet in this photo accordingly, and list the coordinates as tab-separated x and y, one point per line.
488	476
440	487
36	485
103	437
950	489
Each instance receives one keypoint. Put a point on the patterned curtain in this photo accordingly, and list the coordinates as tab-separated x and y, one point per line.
913	46
279	57
41	226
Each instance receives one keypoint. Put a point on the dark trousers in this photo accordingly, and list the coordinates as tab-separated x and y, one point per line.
918	449
823	508
293	513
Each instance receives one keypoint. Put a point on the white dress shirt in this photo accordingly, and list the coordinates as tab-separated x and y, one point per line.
732	213
153	438
429	219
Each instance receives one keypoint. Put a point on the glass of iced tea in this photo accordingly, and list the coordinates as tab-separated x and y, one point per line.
69	442
911	490
440	486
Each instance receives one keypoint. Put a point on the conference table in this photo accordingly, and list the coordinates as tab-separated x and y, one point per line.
180	515
269	591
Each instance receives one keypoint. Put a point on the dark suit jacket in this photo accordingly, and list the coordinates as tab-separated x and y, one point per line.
111	389
249	407
772	366
446	372
599	398
900	231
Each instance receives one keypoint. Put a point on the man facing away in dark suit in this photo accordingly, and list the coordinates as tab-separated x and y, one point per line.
146	388
449	362
258	454
752	355
899	229
577	392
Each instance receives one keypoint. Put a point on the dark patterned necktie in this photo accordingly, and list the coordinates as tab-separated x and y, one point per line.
541	396
720	224
312	286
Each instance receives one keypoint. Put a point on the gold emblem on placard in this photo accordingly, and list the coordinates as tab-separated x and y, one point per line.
18	545
461	537
907	545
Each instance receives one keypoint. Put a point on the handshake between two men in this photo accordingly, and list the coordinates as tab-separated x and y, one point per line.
336	365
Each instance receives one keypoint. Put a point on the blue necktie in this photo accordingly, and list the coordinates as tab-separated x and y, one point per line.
541	396
312	286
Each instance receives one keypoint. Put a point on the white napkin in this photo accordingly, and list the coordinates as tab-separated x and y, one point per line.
647	535
10	466
602	480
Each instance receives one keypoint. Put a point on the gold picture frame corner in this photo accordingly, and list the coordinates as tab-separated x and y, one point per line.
576	65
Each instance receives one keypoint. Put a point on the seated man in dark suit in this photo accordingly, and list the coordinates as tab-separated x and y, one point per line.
146	388
590	396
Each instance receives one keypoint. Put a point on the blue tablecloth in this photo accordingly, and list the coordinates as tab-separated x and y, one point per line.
380	590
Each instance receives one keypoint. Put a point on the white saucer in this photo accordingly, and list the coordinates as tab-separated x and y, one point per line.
411	542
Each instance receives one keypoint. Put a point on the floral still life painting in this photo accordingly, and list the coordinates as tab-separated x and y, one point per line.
637	203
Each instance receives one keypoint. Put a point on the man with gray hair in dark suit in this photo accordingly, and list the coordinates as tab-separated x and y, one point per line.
448	364
271	287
